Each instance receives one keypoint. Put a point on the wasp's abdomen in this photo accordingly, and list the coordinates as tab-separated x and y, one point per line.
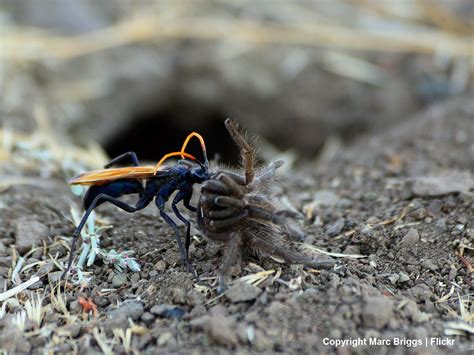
114	189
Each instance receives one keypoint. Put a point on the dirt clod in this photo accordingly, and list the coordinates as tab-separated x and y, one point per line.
119	280
132	309
412	237
221	330
242	292
13	340
377	311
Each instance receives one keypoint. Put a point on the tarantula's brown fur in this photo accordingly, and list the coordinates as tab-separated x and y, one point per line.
241	211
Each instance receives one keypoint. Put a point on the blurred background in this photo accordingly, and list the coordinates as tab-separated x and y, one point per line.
140	75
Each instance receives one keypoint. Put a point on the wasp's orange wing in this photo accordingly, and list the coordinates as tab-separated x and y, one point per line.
99	177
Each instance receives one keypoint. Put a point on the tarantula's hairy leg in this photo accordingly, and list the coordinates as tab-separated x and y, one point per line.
225	201
232	254
278	217
234	188
215	186
267	173
229	221
239	179
269	244
248	153
219	214
209	200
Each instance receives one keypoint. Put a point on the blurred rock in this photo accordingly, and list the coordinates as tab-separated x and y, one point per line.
168	311
446	183
242	292
411	238
377	311
29	233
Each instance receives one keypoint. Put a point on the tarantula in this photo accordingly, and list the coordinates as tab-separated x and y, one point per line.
241	211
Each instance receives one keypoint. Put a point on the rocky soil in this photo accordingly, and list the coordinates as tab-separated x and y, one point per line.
398	206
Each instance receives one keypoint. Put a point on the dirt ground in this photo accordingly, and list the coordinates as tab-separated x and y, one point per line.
399	205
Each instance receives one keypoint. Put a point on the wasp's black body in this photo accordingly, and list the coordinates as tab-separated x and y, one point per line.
181	178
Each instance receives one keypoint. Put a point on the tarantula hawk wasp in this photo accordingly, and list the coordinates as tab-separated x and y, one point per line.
149	182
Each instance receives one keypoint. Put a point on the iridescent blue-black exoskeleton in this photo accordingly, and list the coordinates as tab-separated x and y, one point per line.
150	183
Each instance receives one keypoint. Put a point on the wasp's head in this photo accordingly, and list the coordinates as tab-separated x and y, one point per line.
200	173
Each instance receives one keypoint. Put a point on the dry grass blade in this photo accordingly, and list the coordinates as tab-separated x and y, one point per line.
19	320
15	290
353	68
255	279
15	278
458	328
59	303
444	18
102	341
446	296
34	309
336	255
23	45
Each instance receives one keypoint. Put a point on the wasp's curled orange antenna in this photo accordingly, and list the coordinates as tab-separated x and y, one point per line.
173	154
203	146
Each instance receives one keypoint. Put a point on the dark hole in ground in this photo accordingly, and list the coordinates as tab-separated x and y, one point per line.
154	133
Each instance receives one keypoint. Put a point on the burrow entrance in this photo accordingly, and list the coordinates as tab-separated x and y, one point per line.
153	133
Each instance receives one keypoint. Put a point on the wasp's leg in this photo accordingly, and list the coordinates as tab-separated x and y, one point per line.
231	255
227	222
184	195
142	203
122	157
187	202
160	203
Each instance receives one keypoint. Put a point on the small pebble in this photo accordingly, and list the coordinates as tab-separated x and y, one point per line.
36	285
29	233
119	280
147	317
164	338
429	264
335	228
242	292
411	238
403	277
132	309
160	265
394	278
168	311
54	277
